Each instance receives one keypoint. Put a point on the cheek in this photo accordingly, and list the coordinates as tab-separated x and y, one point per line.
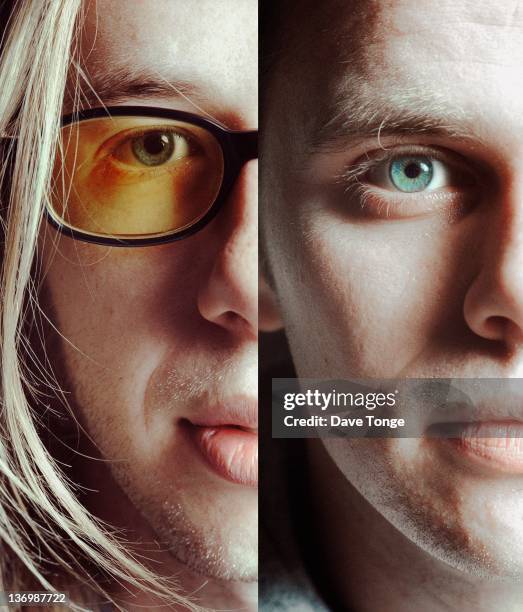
117	320
106	298
380	291
114	319
89	300
91	297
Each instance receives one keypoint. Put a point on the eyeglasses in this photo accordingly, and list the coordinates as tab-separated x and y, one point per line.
135	176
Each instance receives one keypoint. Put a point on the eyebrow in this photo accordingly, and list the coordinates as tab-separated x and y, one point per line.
121	84
408	112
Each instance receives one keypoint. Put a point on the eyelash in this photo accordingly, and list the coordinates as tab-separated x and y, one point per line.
378	201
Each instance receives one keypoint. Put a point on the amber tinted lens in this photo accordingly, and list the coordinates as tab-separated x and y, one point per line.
135	176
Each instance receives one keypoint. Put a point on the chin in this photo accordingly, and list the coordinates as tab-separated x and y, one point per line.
221	543
207	524
491	515
480	550
467	519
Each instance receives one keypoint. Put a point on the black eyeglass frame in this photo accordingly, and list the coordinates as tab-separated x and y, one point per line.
238	147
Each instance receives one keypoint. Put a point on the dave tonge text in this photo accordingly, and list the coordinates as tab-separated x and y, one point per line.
336	421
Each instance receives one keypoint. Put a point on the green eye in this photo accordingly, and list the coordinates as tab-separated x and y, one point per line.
411	173
154	148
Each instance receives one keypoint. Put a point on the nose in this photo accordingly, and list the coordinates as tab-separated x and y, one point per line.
493	306
228	296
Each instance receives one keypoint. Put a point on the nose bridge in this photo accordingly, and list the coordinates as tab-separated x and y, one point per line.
229	296
240	219
240	208
503	258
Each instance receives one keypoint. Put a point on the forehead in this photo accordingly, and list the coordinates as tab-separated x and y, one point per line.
416	41
462	54
210	45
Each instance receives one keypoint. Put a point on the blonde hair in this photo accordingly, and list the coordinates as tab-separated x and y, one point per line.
42	523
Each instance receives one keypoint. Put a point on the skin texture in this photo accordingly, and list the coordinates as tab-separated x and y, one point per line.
391	286
152	336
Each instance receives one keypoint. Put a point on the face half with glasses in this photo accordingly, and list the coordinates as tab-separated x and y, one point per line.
156	347
134	176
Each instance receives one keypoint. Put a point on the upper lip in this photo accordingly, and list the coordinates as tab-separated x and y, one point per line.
504	411
236	411
463	400
452	419
497	428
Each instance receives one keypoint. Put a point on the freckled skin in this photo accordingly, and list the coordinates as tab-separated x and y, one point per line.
437	295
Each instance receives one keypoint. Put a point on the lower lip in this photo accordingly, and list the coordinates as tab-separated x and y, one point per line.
232	453
495	445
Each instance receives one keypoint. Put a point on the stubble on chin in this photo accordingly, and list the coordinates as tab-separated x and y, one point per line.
208	549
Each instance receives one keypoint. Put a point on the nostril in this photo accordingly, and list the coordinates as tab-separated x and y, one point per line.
232	321
495	326
502	329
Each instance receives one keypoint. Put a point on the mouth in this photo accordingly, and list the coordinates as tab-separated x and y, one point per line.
496	445
226	436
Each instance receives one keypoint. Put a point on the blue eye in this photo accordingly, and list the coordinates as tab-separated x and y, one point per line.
414	173
411	173
401	182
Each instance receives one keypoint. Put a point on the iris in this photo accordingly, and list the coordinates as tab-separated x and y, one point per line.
411	173
154	148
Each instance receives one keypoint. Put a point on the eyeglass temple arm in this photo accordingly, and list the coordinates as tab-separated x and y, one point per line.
246	145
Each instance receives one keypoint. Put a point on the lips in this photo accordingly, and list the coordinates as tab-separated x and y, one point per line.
232	453
226	436
495	444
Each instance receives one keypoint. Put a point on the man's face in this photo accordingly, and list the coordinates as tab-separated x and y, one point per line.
159	346
396	282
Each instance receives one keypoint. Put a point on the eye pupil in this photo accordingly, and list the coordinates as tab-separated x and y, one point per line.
155	143
412	171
